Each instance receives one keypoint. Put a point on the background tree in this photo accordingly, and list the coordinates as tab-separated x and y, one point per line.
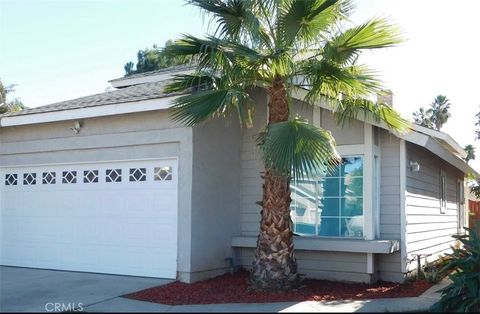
12	105
423	117
439	111
435	116
282	46
477	124
470	149
153	59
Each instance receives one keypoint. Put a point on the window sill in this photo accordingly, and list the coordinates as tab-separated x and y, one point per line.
331	245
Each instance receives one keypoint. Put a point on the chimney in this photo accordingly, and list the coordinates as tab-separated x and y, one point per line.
385	96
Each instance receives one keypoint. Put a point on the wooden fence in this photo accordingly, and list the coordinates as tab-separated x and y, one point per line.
474	209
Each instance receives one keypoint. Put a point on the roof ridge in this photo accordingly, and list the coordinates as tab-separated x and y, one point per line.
175	68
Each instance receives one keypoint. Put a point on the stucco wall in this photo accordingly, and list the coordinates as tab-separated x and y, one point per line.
427	230
215	196
130	136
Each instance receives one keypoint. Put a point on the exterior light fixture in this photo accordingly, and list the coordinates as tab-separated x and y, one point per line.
414	166
76	127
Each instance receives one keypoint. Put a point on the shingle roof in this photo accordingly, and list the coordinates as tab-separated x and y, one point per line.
176	68
133	93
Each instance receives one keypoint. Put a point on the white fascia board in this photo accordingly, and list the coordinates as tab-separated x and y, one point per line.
444	137
89	112
129	81
455	161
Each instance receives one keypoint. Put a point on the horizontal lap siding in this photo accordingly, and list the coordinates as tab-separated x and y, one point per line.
250	168
251	164
389	265
427	230
324	265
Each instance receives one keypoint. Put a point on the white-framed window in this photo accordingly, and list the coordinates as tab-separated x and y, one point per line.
443	192
331	205
460	205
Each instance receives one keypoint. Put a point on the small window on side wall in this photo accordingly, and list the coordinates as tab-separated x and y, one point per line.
443	192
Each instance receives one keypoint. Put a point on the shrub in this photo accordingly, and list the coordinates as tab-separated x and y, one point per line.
463	294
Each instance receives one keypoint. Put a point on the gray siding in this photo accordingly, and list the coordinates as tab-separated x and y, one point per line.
314	264
350	133
336	266
215	197
389	266
427	230
130	136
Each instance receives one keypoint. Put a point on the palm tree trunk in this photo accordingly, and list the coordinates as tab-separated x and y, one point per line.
274	265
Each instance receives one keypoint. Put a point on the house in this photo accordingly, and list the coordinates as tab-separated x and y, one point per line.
109	184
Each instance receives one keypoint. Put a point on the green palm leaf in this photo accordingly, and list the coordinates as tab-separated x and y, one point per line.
203	105
298	148
305	19
374	34
189	82
351	108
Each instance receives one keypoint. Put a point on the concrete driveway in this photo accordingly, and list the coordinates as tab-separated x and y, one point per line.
38	290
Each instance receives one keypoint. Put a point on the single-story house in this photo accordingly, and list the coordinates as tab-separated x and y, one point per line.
109	184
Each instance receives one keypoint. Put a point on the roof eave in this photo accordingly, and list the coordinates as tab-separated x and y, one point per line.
89	112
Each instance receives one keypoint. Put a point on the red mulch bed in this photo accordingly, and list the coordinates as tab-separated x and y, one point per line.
234	289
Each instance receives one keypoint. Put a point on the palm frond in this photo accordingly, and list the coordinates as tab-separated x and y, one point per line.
203	105
304	20
186	82
374	34
324	78
213	53
235	20
350	108
298	148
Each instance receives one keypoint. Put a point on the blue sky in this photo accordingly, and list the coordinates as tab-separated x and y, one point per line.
58	50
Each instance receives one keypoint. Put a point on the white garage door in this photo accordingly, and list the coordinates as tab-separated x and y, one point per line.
108	217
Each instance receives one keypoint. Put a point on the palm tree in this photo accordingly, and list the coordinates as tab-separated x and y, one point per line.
439	111
282	46
470	150
422	117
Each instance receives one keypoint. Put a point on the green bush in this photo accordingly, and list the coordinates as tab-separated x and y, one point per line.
463	294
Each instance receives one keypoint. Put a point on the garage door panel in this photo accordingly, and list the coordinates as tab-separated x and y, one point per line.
118	218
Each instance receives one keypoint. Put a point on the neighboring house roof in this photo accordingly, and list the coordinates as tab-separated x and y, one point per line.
144	91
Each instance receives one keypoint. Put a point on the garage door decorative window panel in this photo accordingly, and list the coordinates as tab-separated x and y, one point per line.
163	173
48	178
113	175
29	178
11	179
90	176
138	174
69	177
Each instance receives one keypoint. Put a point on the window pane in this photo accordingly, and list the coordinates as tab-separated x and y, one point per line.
352	227
329	187
352	206
352	166
352	186
329	206
333	173
303	207
329	227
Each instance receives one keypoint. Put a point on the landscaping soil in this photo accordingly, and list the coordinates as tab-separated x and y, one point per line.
233	288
